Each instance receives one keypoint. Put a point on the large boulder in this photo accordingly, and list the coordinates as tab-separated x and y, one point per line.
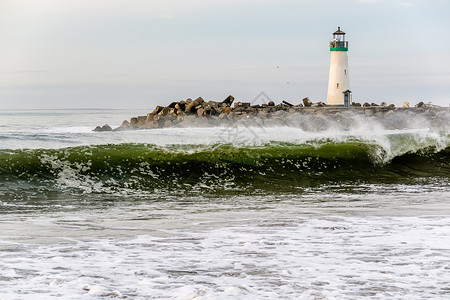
192	106
105	127
133	121
320	104
165	111
218	110
189	107
228	100
199	101
125	126
141	120
180	106
226	110
200	112
157	110
242	104
420	104
307	102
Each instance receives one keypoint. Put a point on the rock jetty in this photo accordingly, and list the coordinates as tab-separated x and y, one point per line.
307	115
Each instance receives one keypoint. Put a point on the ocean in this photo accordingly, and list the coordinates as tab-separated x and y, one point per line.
231	212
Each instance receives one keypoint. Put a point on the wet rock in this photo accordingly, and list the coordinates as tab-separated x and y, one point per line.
198	101
179	106
213	105
218	110
200	112
307	102
251	110
192	106
150	125
320	104
125	126
207	108
141	120
189	107
242	104
226	110
105	127
164	111
420	104
157	110
133	121
228	100
125	123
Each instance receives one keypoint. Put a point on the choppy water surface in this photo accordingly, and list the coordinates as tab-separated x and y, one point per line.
220	213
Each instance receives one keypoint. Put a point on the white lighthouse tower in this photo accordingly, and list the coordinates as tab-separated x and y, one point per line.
339	93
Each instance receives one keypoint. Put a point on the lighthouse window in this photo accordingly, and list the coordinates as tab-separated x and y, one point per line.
345	72
337	85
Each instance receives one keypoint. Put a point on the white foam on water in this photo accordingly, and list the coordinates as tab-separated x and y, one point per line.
328	257
60	129
382	242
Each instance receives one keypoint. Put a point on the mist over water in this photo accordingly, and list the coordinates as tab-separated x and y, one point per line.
354	208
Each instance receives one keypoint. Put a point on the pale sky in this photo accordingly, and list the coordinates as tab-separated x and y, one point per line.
142	53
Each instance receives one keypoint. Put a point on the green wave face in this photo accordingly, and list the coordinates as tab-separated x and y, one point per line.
133	168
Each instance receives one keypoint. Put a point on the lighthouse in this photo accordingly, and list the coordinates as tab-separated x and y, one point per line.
339	93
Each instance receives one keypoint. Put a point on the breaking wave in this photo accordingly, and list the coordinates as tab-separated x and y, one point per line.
130	167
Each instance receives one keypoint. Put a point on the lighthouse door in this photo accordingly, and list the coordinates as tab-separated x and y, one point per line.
347	98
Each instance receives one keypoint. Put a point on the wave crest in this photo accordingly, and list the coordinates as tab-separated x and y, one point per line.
126	168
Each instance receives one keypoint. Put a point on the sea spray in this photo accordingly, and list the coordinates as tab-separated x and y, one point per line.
219	212
127	168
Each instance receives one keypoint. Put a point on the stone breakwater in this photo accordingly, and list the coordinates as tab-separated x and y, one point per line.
307	115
